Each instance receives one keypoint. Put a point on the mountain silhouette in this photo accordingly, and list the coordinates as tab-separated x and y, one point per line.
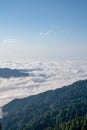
8	73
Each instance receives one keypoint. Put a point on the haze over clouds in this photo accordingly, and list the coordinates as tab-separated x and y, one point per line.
43	76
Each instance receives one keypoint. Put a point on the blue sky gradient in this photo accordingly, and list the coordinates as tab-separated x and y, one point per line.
43	29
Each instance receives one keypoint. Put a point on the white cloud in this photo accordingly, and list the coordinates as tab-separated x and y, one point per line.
9	40
45	34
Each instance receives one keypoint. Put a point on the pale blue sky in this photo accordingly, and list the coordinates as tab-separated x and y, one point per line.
43	29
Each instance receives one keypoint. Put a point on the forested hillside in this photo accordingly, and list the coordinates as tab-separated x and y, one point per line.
60	109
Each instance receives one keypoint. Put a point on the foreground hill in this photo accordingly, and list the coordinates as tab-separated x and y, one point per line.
48	110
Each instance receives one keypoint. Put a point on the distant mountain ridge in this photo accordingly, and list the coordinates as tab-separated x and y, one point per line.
8	73
47	109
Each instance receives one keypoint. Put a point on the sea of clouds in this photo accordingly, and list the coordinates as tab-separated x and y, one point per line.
43	76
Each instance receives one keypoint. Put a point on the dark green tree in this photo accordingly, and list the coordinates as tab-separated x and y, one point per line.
0	126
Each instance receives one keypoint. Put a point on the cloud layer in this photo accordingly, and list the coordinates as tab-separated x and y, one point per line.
43	76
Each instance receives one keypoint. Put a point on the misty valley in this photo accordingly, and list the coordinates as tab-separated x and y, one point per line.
53	106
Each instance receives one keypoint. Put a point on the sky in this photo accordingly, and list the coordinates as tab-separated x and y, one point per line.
43	29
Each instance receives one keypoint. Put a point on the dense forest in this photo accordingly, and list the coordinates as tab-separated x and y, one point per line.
60	109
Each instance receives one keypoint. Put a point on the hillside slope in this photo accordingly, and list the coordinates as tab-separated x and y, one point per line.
47	109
